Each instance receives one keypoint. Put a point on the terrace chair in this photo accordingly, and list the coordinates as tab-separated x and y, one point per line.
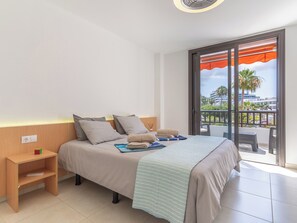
272	140
205	130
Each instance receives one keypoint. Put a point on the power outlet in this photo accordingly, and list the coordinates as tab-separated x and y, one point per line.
29	139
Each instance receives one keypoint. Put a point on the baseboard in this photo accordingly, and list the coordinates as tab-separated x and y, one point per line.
37	187
291	166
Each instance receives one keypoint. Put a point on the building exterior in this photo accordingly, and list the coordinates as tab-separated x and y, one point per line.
270	101
247	97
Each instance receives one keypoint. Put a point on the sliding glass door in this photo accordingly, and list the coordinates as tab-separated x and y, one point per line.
214	98
258	103
236	90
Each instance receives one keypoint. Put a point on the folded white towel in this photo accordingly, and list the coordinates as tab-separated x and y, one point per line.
165	136
138	145
141	138
167	132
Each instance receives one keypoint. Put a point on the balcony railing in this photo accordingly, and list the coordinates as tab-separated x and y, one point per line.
245	118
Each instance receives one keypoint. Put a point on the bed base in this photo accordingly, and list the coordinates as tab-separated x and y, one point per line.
77	180
115	195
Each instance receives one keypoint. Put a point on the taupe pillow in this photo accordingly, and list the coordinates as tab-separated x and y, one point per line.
132	125
98	132
118	125
81	136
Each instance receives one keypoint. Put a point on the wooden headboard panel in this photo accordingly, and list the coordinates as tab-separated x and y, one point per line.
50	137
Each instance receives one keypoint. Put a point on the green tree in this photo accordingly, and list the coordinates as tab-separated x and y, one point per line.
221	92
264	106
248	81
247	105
211	101
204	100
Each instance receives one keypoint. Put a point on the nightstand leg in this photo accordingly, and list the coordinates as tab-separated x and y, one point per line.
51	183
12	190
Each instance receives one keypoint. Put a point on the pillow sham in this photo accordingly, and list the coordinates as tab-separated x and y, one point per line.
132	125
98	131
118	125
81	136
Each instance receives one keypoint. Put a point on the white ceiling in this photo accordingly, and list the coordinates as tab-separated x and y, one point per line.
158	26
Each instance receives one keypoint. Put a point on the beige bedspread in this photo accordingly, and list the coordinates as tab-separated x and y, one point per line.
105	165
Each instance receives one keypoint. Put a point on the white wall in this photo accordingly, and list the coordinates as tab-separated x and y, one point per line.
158	93
291	105
175	87
176	92
54	63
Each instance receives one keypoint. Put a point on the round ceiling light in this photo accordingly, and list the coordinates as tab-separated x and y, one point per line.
196	6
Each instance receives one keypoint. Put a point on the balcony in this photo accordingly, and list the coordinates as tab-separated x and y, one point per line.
255	121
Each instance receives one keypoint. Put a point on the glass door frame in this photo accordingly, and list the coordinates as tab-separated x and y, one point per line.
194	86
196	111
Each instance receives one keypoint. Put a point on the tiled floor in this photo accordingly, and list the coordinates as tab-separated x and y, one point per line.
260	193
262	155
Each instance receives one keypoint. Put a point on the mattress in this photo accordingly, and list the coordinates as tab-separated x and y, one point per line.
107	166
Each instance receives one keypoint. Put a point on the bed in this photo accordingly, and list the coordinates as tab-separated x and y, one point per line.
105	165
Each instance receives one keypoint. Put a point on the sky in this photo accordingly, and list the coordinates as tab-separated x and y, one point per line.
212	79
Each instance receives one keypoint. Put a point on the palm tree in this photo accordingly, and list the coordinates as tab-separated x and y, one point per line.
248	81
221	92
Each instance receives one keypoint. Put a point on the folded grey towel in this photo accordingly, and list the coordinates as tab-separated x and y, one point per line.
167	132
138	145
141	138
165	136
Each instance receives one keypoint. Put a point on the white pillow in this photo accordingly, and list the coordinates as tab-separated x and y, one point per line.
98	132
132	125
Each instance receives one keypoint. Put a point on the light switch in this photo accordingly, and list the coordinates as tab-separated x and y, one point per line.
29	139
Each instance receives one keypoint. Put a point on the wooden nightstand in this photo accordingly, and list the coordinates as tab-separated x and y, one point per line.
17	168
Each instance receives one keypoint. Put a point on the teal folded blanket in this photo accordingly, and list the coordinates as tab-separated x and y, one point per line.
123	147
162	179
